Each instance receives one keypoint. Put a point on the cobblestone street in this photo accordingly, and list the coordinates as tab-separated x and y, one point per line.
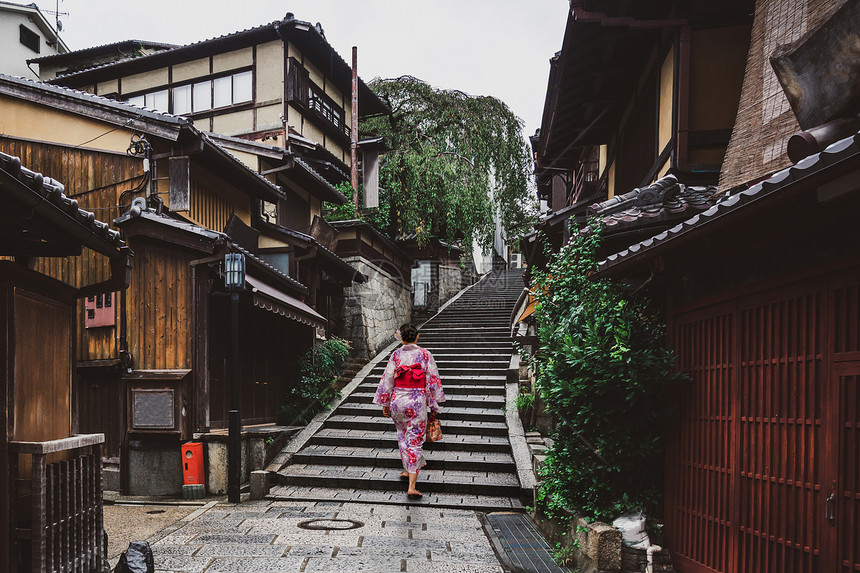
287	536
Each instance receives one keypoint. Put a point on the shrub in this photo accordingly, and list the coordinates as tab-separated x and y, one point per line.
604	373
319	369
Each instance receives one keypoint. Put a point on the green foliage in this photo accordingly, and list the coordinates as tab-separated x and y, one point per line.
319	369
454	161
346	212
525	400
564	555
604	373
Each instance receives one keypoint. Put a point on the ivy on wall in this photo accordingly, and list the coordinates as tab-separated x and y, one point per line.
604	373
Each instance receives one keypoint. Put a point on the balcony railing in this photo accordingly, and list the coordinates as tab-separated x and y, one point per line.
586	179
58	509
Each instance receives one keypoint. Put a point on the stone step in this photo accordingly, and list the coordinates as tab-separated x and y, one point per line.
464	370
499	349
387	438
487	319
477	356
455	400
450	413
484	379
452	389
464	330
380	478
466	338
482	503
455	460
506	344
473	323
380	423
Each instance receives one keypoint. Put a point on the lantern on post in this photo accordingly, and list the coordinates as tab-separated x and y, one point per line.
234	271
234	281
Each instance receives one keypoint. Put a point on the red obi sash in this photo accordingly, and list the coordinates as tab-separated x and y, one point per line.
409	376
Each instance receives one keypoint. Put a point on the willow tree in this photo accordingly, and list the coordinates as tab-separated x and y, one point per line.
454	161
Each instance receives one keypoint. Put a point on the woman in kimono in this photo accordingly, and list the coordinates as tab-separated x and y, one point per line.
410	389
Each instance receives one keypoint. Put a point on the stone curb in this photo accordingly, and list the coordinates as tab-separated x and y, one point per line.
499	549
516	433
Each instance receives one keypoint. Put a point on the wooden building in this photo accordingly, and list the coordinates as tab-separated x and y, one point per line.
50	473
638	91
161	342
277	97
281	83
762	299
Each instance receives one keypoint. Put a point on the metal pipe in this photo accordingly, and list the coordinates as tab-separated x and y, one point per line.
803	144
353	136
234	436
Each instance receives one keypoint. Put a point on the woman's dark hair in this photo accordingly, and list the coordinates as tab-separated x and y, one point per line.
408	333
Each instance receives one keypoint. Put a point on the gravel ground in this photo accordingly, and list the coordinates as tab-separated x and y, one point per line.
125	523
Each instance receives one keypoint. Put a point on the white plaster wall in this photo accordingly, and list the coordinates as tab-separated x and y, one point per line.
14	54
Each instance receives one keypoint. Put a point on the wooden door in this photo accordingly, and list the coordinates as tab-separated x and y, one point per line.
782	432
842	509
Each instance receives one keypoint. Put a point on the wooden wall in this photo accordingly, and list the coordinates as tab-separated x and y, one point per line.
159	305
96	180
767	431
214	200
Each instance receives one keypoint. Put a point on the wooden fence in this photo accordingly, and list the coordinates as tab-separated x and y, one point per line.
59	508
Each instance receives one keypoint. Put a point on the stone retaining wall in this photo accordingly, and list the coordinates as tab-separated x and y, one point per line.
371	312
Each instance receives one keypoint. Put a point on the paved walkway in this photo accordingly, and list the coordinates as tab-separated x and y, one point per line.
279	536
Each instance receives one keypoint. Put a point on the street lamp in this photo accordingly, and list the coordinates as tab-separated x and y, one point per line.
234	281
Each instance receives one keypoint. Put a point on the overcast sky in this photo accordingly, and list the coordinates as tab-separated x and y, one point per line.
483	47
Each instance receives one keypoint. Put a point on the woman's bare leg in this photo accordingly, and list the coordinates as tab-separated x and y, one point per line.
413	480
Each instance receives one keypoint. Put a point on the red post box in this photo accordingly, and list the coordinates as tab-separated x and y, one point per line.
192	463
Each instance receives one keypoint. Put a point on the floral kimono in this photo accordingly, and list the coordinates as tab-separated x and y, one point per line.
410	405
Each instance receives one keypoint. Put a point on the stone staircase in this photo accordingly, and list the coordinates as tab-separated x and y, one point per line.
353	456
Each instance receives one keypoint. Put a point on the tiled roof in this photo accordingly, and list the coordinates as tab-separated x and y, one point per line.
101	48
663	201
162	124
228	142
273	30
189	227
316	175
193	44
54	192
218	148
848	148
142	112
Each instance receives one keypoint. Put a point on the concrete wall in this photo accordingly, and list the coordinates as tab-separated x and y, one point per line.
369	313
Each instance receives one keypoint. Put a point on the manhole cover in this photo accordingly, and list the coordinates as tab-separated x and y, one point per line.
330	524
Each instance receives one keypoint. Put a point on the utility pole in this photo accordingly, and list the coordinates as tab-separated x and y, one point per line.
353	148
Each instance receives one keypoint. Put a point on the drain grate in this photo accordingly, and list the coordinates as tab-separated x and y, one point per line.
330	524
523	543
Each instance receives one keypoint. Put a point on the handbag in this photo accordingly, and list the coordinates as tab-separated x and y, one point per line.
434	428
